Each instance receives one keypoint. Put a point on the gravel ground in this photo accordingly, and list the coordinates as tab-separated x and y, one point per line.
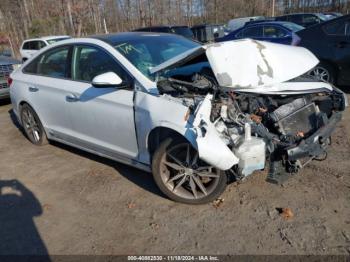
70	202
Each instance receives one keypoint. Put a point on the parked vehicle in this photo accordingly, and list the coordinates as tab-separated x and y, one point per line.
330	42
237	23
31	46
303	19
192	115
276	32
207	33
178	30
7	65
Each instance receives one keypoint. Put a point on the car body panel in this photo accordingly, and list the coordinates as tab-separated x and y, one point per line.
266	63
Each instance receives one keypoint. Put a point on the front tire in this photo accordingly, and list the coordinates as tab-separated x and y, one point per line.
183	177
32	127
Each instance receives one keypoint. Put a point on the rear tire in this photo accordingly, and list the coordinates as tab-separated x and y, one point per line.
32	127
183	177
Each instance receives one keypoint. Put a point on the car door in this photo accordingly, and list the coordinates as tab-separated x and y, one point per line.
102	118
277	34
45	79
338	36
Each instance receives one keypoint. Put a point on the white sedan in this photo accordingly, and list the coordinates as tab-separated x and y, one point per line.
195	116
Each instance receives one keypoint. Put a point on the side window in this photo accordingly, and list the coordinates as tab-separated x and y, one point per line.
41	44
341	28
89	62
271	31
256	31
26	45
53	63
35	45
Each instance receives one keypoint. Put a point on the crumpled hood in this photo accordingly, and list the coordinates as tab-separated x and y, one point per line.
247	63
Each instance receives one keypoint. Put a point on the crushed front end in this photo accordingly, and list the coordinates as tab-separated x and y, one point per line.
276	120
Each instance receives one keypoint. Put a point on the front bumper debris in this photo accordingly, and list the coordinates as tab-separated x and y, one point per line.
315	145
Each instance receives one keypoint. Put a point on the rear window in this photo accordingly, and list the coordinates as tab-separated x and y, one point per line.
293	27
53	63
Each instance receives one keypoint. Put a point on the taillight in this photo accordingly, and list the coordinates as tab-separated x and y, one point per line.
9	81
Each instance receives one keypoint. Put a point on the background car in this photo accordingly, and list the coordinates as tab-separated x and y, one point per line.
330	43
178	30
31	46
276	32
7	65
237	23
304	19
208	32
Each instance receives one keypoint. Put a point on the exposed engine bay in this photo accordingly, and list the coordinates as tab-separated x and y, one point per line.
284	132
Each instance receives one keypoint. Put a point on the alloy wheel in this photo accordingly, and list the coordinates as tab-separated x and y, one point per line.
31	125
185	175
320	73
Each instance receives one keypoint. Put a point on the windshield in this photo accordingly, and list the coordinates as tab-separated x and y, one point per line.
151	50
52	41
184	31
293	27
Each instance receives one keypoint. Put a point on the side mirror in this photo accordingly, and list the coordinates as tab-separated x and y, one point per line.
109	79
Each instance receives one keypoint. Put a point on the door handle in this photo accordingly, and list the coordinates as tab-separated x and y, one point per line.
72	98
33	89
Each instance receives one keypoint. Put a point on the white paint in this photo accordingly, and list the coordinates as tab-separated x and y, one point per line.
251	152
250	64
211	147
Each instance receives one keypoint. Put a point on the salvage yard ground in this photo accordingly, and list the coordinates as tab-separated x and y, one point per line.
72	202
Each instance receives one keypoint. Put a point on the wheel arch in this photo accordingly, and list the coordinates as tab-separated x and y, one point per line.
158	134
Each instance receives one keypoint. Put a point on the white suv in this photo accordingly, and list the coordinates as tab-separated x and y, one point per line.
31	46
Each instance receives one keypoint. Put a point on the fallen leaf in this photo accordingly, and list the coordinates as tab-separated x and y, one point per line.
286	213
131	205
47	207
218	202
154	225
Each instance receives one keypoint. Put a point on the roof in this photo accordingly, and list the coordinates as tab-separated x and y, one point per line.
125	36
47	37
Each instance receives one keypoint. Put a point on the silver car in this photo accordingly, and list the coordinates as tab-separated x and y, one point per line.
195	116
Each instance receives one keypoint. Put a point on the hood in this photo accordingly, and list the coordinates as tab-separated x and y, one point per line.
249	64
